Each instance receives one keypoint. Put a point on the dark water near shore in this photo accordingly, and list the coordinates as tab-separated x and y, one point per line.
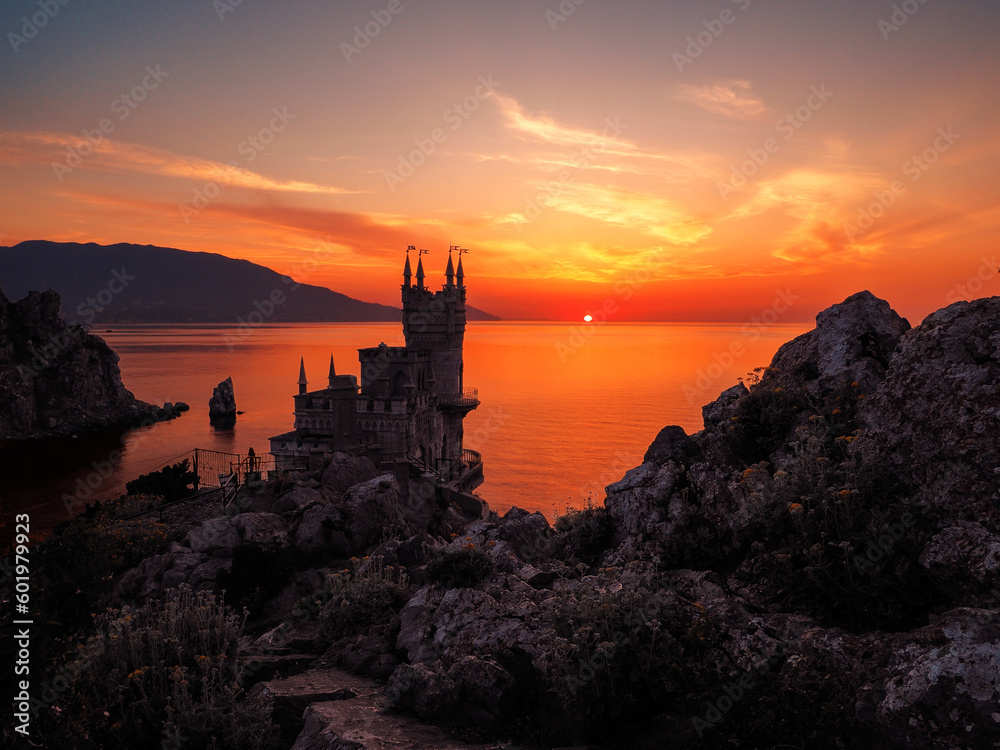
563	412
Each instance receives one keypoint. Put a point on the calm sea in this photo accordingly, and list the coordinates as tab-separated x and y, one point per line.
565	410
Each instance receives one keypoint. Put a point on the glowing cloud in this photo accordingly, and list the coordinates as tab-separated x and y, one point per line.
733	99
119	156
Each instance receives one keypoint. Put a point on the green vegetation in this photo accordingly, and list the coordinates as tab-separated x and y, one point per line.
841	539
83	557
171	482
628	657
460	568
165	674
360	601
581	534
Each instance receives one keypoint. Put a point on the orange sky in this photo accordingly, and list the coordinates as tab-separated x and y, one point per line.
662	163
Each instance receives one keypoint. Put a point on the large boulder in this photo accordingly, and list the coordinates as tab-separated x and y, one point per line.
672	444
643	503
373	513
321	530
853	341
964	561
935	422
262	529
344	471
220	533
296	498
940	685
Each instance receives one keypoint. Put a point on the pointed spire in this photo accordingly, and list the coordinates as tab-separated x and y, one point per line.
420	274
302	376
461	272
406	269
450	271
333	372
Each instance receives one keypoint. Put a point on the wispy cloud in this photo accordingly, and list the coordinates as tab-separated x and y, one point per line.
19	147
733	99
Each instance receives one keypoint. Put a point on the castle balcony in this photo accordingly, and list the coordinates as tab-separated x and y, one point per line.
466	400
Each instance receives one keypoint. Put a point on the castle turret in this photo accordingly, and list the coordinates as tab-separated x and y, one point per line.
303	383
333	373
420	273
450	271
407	276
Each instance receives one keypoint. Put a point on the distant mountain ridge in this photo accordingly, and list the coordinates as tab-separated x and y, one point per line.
128	283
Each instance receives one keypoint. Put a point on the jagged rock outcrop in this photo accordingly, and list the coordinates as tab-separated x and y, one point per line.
222	405
852	342
344	471
936	419
58	380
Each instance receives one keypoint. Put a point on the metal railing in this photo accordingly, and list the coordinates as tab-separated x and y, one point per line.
218	469
467	397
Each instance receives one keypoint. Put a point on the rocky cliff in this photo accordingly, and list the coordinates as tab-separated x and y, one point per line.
57	380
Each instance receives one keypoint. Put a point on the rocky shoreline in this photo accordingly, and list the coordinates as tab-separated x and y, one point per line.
58	380
818	567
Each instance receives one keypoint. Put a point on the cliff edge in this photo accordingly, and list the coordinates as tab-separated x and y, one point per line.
57	380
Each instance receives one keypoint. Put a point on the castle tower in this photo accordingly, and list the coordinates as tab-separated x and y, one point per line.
435	322
303	383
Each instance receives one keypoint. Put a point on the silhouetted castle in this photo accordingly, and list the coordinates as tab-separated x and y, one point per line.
412	399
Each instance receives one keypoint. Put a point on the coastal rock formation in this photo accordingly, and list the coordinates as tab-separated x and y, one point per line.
852	342
222	405
935	421
58	380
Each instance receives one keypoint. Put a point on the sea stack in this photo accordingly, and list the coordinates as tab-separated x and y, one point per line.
222	406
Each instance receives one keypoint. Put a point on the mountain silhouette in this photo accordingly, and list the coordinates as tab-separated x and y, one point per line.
128	283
